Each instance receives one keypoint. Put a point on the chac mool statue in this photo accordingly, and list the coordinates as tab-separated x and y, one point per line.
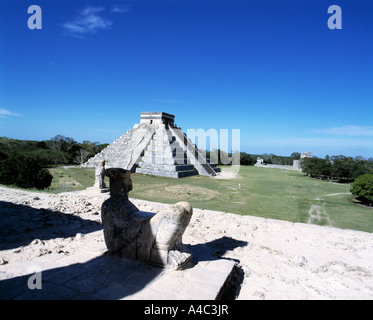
143	236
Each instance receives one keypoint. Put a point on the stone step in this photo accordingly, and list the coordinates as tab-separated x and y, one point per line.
163	145
163	137
164	173
91	275
206	280
165	149
163	167
163	155
213	166
166	161
184	174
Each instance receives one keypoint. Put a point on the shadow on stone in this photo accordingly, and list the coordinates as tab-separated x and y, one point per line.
105	277
215	249
21	224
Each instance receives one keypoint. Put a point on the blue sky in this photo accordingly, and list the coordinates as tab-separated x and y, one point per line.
272	69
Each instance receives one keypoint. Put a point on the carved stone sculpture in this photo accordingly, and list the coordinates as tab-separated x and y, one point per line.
143	236
99	186
100	175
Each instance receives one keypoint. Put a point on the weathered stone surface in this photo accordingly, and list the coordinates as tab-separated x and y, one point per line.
143	236
126	151
103	277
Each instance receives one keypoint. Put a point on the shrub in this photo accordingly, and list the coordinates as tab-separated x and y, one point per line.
246	159
362	188
24	172
43	179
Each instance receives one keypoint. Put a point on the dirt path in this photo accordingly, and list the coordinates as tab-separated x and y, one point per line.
317	213
332	195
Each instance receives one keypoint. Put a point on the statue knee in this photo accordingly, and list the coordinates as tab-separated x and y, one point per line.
183	211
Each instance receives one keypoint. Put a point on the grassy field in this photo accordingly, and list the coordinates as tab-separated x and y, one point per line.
71	178
264	192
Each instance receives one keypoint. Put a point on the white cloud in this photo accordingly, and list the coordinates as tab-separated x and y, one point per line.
4	113
87	22
88	10
348	130
119	8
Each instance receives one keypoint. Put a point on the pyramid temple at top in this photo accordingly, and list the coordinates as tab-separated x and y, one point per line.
155	146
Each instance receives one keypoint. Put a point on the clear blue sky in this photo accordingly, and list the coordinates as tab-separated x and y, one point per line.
271	68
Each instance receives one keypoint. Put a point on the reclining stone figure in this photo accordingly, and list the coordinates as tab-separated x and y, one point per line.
144	236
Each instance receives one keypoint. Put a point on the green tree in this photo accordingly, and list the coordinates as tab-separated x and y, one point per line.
246	159
66	145
362	188
295	156
92	147
342	168
24	172
316	167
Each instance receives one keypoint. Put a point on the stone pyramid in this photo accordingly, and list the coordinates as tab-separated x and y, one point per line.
155	146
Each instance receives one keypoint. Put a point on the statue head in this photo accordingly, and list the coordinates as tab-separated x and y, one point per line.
120	182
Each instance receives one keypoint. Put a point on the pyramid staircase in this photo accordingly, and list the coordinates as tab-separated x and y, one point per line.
202	164
165	157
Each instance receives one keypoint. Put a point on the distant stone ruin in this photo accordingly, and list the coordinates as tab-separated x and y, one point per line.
155	146
296	163
259	162
306	155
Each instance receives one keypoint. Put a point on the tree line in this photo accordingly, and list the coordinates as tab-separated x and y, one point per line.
337	168
24	163
59	150
247	159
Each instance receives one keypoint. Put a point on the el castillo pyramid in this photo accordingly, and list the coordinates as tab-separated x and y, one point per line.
155	146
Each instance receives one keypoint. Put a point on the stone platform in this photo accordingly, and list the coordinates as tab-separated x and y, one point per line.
89	275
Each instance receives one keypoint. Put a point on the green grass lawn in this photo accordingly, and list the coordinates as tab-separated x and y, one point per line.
264	192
